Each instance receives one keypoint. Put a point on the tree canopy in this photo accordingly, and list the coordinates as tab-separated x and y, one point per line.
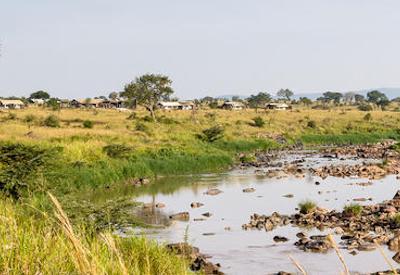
285	93
331	96
378	98
148	90
39	95
259	100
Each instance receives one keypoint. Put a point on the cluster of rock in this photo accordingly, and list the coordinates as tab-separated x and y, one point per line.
376	223
370	171
198	261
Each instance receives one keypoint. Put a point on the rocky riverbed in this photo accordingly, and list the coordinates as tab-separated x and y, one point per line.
211	211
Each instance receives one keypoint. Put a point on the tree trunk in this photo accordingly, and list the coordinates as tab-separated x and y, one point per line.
152	113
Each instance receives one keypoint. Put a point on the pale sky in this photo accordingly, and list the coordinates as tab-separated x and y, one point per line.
82	48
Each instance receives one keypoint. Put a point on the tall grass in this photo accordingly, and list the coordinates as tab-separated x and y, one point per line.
40	244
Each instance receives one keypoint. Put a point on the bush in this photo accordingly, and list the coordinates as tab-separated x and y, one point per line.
312	124
353	209
211	116
11	116
20	165
118	151
141	127
396	220
307	206
368	117
212	134
258	122
30	118
365	107
88	124
51	121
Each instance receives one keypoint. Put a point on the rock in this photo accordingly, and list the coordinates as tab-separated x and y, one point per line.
360	199
207	214
227	228
208	234
196	204
288	196
199	219
317	183
338	230
160	205
396	257
353	252
280	239
213	192
182	216
183	249
249	190
394	243
301	235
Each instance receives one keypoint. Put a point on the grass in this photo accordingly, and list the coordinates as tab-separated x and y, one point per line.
353	209
396	219
307	206
33	242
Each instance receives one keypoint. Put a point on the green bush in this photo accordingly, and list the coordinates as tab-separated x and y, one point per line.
258	122
51	121
30	118
212	134
20	165
141	127
88	124
118	151
311	124
307	206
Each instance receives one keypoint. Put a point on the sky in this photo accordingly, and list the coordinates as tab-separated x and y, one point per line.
84	48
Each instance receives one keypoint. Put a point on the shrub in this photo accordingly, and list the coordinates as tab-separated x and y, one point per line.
212	134
211	116
88	124
368	117
141	127
20	164
117	151
307	206
30	118
258	122
51	121
312	124
365	107
148	119
353	209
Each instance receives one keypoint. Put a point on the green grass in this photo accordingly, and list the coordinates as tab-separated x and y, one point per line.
353	209
37	244
348	139
307	206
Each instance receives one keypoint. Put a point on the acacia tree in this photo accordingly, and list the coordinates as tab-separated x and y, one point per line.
148	90
378	98
255	101
285	93
39	95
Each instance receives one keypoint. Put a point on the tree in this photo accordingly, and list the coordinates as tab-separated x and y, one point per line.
285	93
332	96
359	98
113	95
305	100
259	100
378	98
39	95
148	90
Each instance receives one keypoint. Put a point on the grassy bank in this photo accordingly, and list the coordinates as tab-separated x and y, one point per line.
39	243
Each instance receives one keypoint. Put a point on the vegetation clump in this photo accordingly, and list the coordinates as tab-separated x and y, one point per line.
353	209
117	151
51	121
312	124
20	164
307	206
368	117
212	134
88	124
258	122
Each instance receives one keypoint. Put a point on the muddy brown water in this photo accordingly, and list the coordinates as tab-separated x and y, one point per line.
255	252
